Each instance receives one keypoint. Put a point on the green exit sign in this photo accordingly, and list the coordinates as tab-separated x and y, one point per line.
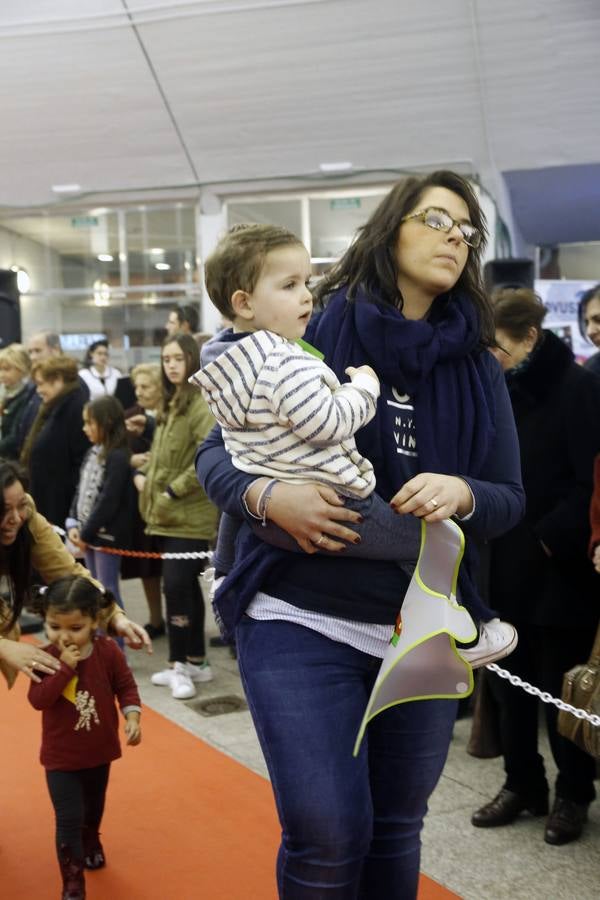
84	222
345	203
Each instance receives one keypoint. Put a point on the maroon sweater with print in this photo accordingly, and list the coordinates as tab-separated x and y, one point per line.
84	734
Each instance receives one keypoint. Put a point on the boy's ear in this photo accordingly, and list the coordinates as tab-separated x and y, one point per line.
242	305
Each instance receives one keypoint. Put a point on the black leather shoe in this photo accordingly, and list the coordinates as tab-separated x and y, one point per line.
505	808
565	822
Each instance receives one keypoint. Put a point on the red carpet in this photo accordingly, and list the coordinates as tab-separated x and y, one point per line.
182	822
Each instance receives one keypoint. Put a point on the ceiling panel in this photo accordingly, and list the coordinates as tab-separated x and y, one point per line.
118	95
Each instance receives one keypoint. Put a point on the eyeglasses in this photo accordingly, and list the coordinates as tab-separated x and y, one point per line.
443	221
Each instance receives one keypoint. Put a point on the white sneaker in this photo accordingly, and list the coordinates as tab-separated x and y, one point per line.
182	687
164	678
496	640
202	672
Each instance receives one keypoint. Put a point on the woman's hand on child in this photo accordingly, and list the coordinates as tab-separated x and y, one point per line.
134	635
133	730
28	658
139	480
313	514
434	497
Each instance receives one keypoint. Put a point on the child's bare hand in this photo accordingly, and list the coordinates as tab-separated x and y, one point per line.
70	655
353	371
133	729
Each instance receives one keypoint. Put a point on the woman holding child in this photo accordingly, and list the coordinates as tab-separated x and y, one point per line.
405	300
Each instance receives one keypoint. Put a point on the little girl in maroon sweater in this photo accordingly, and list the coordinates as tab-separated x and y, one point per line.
80	728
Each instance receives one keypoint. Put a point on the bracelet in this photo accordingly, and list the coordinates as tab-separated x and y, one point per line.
245	503
263	501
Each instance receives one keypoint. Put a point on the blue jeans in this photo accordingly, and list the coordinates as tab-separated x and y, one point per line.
105	567
350	827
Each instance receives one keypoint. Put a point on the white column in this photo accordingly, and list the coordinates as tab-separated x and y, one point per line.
212	223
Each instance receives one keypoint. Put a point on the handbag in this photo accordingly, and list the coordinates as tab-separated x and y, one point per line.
484	741
581	688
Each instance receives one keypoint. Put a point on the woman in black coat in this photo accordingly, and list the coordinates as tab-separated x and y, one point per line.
541	578
55	446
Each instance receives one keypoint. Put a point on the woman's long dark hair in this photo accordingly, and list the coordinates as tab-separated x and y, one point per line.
186	393
370	261
15	560
87	359
108	414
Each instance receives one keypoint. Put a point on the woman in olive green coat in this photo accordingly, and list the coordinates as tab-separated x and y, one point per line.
177	511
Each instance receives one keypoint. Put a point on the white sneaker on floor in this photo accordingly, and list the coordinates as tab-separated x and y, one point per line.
163	679
496	640
202	672
182	686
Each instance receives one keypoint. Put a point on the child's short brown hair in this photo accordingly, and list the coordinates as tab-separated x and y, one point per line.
237	261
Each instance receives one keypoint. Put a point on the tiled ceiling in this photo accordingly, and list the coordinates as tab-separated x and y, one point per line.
122	95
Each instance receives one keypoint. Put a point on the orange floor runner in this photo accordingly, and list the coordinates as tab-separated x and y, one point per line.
182	820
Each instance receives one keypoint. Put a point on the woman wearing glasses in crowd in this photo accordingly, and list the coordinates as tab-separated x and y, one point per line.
405	299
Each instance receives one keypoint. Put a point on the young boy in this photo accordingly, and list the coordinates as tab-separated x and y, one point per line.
283	412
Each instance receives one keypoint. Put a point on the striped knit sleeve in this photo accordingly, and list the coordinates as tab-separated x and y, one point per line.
308	398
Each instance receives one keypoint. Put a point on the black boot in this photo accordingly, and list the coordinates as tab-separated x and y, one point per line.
93	852
72	875
505	808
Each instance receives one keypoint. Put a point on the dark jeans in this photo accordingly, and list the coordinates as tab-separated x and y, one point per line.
350	827
542	656
184	600
78	800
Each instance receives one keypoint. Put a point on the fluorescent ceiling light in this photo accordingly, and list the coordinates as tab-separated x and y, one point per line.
23	279
335	166
66	188
105	257
157	251
163	267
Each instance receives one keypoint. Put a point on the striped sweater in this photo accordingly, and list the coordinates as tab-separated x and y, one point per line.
285	415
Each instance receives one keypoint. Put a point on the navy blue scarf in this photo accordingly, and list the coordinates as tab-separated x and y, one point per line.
438	361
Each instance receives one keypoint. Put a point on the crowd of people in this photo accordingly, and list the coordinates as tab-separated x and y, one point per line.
435	401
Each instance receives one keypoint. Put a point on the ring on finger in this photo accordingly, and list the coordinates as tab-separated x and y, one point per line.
320	541
434	503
